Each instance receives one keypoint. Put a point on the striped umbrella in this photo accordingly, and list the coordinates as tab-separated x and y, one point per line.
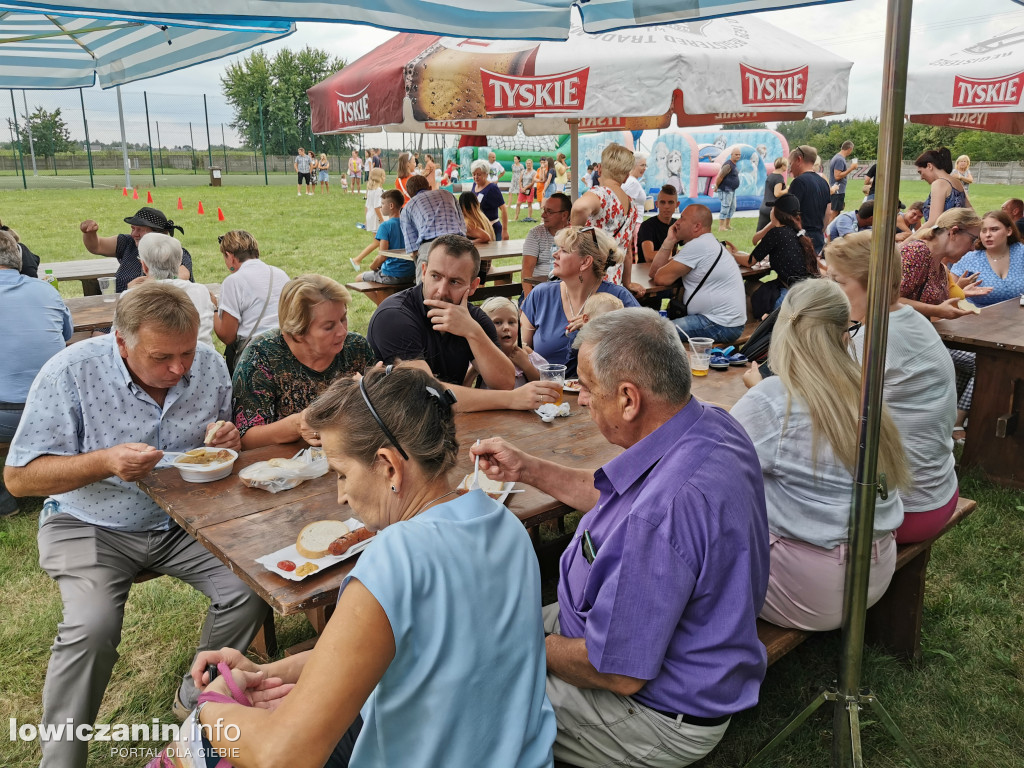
40	50
520	19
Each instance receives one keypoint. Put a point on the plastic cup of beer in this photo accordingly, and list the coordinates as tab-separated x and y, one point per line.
700	355
555	373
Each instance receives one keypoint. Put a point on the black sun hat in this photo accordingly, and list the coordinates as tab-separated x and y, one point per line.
154	219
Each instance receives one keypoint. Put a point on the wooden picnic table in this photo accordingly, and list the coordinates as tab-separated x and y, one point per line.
88	271
641	275
239	524
503	249
995	434
91	313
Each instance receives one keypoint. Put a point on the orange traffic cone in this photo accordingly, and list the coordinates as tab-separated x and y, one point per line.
135	194
124	192
180	206
149	197
220	215
201	211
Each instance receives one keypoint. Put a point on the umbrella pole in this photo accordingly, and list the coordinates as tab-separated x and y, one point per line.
849	697
846	748
574	151
124	140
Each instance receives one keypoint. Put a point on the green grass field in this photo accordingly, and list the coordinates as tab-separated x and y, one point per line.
960	706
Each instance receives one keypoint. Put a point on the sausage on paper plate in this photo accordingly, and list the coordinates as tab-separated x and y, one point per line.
343	544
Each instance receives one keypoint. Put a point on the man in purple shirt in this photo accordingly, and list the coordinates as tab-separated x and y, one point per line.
429	214
653	643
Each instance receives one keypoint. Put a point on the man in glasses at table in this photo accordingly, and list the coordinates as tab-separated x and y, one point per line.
652	646
539	247
434	326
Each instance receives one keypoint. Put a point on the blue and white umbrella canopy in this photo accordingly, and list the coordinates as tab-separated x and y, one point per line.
40	50
520	19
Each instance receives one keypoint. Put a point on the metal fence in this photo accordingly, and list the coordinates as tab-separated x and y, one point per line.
72	138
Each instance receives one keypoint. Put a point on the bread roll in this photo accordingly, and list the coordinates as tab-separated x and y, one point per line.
315	539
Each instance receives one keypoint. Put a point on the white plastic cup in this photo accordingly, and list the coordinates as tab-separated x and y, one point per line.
700	355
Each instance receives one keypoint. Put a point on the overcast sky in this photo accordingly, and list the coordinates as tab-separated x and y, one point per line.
854	30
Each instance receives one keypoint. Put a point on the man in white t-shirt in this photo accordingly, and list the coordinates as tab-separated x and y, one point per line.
633	187
496	170
712	283
249	296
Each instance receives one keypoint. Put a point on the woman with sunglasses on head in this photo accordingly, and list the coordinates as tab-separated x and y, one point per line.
249	296
285	369
998	264
445	599
927	284
580	263
803	422
920	389
947	192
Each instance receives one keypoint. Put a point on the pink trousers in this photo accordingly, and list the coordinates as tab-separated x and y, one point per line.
805	582
919	526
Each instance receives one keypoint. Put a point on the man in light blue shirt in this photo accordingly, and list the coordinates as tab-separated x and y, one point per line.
36	324
852	221
429	214
98	418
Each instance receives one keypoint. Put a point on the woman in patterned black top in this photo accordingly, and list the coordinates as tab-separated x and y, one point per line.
788	250
125	248
284	370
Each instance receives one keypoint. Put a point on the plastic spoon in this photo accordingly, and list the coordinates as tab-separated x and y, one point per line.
475	485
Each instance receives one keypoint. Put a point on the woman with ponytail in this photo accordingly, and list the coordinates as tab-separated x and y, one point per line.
804	423
788	250
936	167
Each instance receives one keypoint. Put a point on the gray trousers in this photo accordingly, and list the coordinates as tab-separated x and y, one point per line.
598	728
94	568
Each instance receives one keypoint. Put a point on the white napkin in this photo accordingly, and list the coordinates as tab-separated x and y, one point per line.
549	411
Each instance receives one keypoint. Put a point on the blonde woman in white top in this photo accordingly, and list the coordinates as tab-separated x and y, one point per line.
920	389
804	423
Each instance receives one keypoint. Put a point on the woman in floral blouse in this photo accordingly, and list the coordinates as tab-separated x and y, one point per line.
609	209
284	370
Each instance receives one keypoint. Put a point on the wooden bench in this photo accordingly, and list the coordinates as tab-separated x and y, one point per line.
894	622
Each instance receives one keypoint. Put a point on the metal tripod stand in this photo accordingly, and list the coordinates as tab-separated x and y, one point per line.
848	697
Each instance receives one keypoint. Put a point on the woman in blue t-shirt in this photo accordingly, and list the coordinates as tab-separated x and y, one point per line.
999	264
583	255
435	652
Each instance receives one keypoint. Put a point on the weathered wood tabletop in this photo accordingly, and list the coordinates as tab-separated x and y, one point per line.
87	270
502	249
90	313
995	427
239	524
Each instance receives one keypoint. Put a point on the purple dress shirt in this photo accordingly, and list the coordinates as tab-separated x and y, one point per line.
681	570
430	214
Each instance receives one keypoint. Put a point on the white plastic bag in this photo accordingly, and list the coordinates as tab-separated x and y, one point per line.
281	474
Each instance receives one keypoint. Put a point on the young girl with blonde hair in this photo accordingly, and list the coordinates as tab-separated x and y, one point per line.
504	313
374	216
804	423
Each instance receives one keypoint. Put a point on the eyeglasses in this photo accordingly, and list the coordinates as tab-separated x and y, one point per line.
553	212
444	399
592	231
854	329
380	422
220	239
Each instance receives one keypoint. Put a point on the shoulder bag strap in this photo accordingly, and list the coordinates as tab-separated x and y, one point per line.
721	250
266	303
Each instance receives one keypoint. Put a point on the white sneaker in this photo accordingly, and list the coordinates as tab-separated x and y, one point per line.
355	265
298	194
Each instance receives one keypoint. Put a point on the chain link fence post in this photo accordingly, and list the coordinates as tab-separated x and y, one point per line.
149	138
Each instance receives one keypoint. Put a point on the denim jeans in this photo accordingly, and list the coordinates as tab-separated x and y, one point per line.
728	198
696	326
